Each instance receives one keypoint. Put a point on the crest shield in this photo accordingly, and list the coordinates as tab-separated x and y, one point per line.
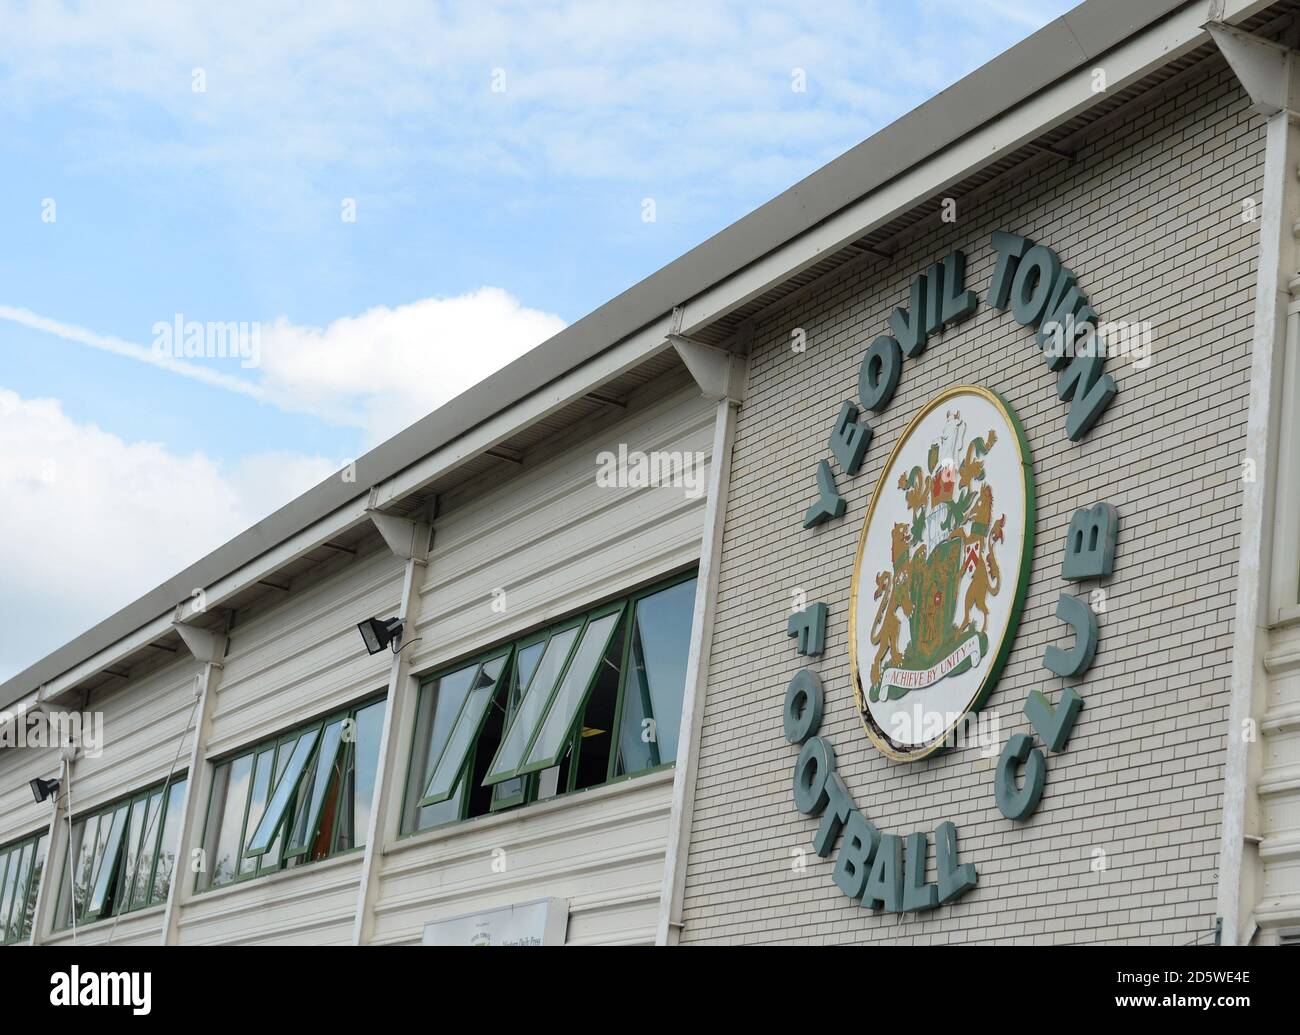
941	568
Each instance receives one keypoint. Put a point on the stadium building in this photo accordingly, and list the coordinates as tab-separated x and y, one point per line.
917	560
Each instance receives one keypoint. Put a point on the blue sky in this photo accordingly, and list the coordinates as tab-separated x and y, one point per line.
164	160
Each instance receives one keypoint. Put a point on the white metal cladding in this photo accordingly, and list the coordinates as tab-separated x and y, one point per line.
19	814
556	542
559	543
303	657
146	723
1278	785
295	660
142	927
602	849
308	905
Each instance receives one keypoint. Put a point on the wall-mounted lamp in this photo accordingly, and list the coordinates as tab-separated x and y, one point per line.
378	633
42	789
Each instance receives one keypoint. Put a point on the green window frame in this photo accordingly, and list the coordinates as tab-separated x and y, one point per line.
292	799
543	715
123	854
22	863
533	703
465	730
302	751
528	654
555	728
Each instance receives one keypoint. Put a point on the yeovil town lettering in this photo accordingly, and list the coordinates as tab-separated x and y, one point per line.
942	547
1041	292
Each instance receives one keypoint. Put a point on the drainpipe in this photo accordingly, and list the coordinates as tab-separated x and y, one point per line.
209	649
410	540
721	376
55	846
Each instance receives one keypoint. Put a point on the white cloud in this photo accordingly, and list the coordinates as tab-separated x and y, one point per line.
378	371
390	366
91	522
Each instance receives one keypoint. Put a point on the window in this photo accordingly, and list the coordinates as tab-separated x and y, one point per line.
123	856
300	797
21	864
576	705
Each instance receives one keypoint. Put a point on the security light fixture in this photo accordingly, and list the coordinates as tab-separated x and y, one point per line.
42	789
380	632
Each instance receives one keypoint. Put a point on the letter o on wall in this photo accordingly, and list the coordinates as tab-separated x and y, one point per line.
1032	287
1021	803
878	375
803	706
814	768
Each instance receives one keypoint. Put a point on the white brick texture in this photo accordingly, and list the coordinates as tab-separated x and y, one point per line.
1149	215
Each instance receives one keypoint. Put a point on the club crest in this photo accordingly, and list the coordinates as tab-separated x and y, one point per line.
940	573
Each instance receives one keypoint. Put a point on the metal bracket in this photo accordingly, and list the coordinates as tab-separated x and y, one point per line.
1268	71
205	645
719	373
408	539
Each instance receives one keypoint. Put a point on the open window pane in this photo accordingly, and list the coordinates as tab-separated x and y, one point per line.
595	741
315	784
33	886
271	859
275	812
440	702
520	734
514	791
571	696
21	864
263	771
102	828
465	731
226	819
656	679
144	864
359	788
134	834
107	866
81	843
9	864
18	909
169	834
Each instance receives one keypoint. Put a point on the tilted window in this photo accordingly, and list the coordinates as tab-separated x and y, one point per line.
122	857
21	864
299	797
588	700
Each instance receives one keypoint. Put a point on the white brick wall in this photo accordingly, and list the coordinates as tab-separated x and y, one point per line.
1149	216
